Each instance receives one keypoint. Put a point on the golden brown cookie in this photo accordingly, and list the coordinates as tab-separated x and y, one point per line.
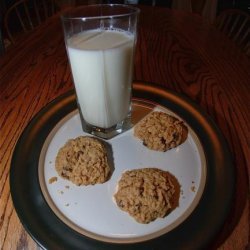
160	131
147	194
83	161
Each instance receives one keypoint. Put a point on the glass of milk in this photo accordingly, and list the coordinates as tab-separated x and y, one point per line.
100	42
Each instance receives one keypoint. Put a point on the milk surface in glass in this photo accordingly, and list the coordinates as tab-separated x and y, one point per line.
101	65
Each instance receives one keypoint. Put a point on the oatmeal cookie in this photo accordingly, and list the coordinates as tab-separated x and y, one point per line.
160	131
83	161
147	194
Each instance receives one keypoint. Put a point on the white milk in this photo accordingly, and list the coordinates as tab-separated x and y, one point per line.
101	64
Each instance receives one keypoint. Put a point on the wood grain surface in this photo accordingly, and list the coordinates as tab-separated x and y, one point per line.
175	49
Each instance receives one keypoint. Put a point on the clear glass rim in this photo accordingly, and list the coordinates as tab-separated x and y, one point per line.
71	14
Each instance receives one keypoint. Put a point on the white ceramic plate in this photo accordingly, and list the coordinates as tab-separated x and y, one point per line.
91	210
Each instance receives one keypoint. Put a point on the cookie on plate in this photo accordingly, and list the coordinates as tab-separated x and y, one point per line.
147	194
83	161
160	131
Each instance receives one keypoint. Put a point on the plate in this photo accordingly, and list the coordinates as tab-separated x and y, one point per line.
79	207
64	216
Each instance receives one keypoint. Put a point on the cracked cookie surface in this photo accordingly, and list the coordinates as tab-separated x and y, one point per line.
83	161
147	194
160	131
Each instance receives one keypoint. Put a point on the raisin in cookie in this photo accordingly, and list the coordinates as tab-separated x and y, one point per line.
83	161
147	194
160	131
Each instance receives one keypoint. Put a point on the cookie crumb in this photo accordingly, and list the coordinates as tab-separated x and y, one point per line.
52	180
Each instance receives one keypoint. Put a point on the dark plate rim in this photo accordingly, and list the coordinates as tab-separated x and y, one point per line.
197	231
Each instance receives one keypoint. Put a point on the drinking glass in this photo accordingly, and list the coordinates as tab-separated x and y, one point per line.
100	42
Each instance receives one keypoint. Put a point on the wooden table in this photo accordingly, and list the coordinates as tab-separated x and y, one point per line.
177	50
